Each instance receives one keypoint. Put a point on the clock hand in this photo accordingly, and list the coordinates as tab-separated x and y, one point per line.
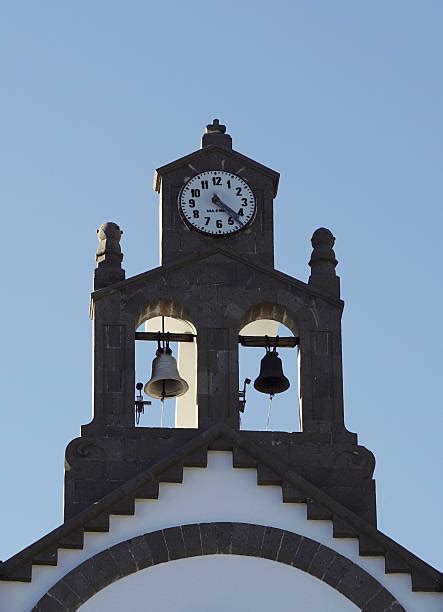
228	209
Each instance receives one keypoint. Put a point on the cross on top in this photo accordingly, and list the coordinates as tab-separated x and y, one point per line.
215	127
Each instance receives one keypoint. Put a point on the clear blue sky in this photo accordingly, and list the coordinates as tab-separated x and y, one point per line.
342	98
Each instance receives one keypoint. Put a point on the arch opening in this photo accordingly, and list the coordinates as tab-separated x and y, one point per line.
271	312
176	412
282	412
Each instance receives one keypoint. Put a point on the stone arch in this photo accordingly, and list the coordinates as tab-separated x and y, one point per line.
177	319
183	541
162	307
267	312
273	311
317	326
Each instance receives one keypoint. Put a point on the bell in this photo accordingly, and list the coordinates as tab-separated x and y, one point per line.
271	379
165	381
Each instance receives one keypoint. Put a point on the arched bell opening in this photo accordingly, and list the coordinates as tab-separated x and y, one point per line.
166	349
269	359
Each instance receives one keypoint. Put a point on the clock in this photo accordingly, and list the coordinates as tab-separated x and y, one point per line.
217	202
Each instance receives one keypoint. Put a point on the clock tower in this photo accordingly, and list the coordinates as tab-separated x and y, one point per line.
206	515
222	194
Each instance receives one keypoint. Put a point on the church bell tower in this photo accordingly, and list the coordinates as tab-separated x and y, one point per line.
217	271
147	506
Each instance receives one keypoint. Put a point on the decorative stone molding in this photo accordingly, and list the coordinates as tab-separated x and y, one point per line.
323	262
215	134
200	539
108	256
271	470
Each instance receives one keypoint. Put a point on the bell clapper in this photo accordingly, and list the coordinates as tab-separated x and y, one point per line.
271	397
168	351
162	399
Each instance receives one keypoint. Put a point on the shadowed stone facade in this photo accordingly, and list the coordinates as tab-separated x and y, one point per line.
219	284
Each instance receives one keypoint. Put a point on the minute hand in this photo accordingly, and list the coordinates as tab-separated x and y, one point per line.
228	209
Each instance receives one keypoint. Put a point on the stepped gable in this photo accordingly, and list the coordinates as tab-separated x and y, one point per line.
246	454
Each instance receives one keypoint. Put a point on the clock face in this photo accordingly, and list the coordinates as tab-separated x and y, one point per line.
217	203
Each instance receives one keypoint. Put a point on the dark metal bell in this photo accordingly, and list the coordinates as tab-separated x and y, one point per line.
165	381
271	379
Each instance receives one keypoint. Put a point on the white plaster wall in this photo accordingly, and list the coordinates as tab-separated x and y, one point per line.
262	327
220	583
217	493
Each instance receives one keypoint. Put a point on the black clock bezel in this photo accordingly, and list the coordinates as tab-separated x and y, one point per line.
207	234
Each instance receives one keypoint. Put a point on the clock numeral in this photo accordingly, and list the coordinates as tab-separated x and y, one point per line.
221	218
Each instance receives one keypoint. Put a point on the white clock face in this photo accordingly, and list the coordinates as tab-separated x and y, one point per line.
217	202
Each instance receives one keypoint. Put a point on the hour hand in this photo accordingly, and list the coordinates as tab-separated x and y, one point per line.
228	209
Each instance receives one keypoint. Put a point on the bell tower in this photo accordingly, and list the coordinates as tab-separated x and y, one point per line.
207	498
217	273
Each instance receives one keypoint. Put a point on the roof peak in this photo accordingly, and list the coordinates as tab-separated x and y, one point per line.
215	134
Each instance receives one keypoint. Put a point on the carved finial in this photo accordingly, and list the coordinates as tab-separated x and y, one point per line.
215	134
108	256
324	240
109	252
323	262
215	126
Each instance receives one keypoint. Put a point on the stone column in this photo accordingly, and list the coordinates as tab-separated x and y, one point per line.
217	377
114	367
322	379
113	340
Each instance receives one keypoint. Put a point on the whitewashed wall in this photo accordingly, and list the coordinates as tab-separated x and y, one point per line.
220	583
217	493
